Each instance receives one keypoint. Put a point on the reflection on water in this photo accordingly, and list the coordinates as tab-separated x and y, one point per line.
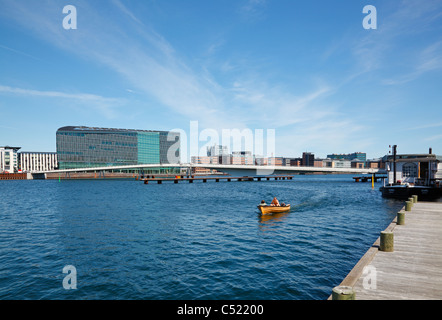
271	219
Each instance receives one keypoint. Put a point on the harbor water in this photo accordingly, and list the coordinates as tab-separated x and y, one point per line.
128	240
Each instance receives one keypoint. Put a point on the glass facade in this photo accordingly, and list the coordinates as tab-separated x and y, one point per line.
84	147
148	147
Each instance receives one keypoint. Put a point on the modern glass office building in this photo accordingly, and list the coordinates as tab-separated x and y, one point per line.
86	147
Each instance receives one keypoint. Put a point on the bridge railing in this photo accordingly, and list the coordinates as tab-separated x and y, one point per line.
230	168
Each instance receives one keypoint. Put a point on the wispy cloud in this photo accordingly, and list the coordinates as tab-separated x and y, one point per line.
20	52
427	126
139	54
429	60
252	10
126	11
104	105
258	101
54	94
434	138
398	26
150	64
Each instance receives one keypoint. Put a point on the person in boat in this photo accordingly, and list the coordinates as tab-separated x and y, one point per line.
263	203
283	204
275	202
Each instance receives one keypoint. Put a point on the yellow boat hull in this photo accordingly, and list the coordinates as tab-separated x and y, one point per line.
273	209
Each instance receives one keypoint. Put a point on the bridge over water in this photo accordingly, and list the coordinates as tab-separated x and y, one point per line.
234	170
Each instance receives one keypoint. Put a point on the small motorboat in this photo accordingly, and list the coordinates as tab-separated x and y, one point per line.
274	209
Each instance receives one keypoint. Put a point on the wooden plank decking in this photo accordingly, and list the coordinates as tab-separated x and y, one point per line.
413	271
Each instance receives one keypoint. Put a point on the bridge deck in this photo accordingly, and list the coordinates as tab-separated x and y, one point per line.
232	169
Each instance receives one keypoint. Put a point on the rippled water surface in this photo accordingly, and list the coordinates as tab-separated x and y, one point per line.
128	240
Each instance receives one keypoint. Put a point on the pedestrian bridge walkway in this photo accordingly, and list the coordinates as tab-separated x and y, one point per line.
237	170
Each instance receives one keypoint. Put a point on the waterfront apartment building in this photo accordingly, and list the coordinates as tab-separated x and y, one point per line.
8	159
358	164
361	156
242	157
217	150
269	161
83	147
292	162
37	161
318	163
308	159
337	163
204	160
221	152
376	163
275	161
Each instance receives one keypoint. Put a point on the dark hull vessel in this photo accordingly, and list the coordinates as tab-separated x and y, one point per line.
404	192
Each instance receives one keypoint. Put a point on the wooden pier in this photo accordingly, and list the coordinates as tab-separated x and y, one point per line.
412	269
204	179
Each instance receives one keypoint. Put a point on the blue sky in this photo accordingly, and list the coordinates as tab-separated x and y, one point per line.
307	69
